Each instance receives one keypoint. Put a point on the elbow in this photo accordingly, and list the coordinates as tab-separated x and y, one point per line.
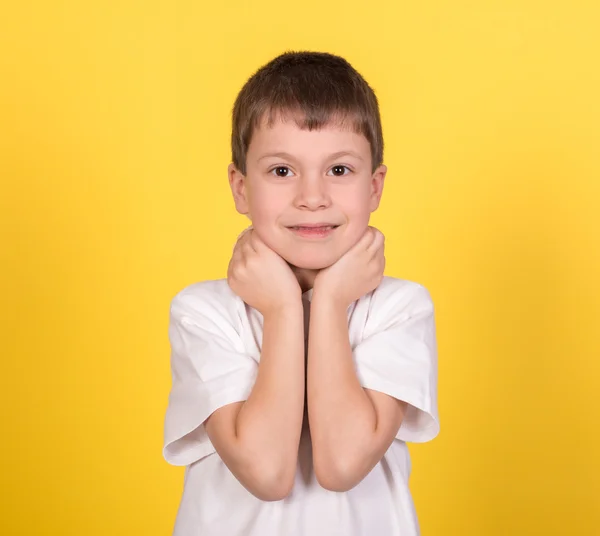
271	484
272	491
339	476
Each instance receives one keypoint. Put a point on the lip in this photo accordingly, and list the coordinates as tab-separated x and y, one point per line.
320	224
314	231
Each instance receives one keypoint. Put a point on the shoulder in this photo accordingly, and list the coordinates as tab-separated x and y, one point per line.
210	298
395	296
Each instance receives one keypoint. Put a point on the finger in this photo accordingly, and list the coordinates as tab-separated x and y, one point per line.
247	249
243	247
254	241
237	248
232	262
241	236
376	251
377	242
236	258
260	246
365	240
244	231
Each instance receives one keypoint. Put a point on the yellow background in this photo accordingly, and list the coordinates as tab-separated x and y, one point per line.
115	121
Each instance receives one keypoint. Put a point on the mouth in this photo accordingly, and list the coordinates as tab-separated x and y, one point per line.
313	231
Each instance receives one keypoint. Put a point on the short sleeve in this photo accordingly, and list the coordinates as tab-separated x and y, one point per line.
209	370
398	357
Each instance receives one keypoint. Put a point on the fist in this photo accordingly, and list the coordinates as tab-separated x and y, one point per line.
356	273
260	276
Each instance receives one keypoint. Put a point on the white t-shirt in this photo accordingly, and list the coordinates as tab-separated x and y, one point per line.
216	344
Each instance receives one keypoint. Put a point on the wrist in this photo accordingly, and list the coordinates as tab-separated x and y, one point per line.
323	298
286	309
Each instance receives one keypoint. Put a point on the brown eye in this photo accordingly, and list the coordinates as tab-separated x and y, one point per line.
339	171
281	171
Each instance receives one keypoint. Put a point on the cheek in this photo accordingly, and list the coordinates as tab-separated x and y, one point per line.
358	213
353	197
355	206
265	206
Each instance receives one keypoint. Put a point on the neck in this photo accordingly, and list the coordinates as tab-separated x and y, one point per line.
306	277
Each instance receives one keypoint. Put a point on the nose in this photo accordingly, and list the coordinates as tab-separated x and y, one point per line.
312	192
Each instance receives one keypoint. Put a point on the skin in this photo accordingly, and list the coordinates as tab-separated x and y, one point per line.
309	181
314	188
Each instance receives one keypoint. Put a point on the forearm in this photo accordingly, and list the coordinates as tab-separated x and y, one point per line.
269	423
343	421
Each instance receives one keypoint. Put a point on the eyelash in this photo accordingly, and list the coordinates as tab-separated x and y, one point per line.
286	167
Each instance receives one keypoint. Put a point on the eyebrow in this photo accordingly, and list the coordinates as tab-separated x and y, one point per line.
330	157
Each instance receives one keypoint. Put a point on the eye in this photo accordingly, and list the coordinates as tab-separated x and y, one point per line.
338	171
281	171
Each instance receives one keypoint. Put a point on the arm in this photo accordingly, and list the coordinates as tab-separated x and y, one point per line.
351	427
258	439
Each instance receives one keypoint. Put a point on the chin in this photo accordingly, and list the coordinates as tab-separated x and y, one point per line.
310	263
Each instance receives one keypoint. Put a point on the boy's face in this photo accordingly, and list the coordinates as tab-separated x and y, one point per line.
298	177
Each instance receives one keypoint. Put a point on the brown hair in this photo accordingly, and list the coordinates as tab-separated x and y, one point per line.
316	87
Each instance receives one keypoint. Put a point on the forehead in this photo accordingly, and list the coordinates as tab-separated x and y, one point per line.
285	134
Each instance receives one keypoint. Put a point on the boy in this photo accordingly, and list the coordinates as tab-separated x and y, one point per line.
298	380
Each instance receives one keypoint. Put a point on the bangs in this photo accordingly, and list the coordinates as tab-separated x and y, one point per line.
311	118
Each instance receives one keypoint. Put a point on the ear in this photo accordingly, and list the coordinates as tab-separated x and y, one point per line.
377	180
237	182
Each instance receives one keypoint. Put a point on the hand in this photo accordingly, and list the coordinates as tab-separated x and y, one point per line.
260	276
356	273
